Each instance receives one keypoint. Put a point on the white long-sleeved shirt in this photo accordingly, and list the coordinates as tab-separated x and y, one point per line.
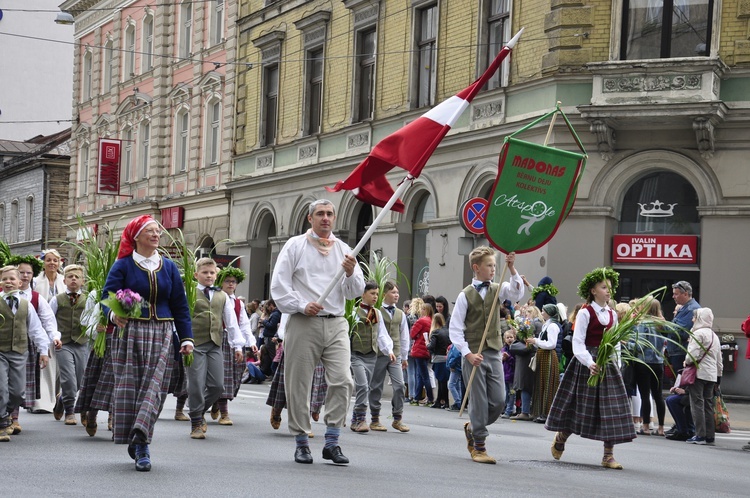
302	274
234	335
243	322
45	313
512	290
35	330
553	330
405	341
90	315
582	324
385	343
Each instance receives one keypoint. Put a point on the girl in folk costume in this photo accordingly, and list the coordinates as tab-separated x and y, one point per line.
228	279
600	412
48	284
547	366
145	354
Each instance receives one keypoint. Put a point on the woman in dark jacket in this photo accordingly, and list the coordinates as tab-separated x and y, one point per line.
545	294
438	348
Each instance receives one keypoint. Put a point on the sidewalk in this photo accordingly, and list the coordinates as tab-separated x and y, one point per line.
739	415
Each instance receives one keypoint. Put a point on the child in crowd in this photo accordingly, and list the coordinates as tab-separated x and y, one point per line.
468	324
509	362
369	336
212	313
19	322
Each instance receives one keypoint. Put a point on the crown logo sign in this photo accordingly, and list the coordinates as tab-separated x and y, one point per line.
656	210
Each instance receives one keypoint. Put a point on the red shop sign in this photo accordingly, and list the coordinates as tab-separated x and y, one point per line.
663	249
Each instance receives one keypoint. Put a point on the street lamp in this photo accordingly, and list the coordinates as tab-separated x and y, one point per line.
64	18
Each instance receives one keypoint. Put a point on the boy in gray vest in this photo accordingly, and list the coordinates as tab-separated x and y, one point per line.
369	336
69	307
468	323
398	328
212	313
18	323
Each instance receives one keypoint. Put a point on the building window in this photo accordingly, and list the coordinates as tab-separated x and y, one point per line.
314	100
427	23
2	221
365	77
660	203
270	100
13	222
127	157
29	225
129	68
217	23
86	77
147	57
213	132
83	171
182	141
144	139
498	31
660	29
109	53
186	28
420	273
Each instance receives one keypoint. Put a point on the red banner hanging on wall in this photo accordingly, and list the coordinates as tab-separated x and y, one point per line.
108	177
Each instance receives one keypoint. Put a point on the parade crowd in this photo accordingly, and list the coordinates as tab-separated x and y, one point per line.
495	353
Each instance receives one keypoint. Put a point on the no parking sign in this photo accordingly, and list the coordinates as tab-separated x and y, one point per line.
473	213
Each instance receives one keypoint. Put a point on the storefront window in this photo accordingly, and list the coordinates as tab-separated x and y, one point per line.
420	277
660	203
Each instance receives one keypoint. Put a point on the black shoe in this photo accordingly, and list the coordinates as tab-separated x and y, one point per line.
540	420
335	455
710	440
670	432
143	458
678	436
303	455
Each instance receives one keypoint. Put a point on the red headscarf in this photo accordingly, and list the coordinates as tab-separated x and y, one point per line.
132	230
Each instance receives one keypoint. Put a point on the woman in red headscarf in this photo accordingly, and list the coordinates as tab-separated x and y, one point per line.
146	351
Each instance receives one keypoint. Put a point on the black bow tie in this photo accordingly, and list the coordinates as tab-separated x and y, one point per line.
479	287
390	308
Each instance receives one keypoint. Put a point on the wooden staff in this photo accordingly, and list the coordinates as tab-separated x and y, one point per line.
484	338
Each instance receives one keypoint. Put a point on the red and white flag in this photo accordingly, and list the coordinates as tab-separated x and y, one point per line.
411	147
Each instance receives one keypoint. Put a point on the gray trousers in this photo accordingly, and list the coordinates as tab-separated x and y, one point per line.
702	407
487	395
307	342
71	363
383	365
363	366
12	383
205	378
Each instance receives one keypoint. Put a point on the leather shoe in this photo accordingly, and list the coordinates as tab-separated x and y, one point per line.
334	454
678	436
303	455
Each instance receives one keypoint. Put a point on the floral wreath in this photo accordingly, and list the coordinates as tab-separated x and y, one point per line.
230	271
548	288
595	276
36	264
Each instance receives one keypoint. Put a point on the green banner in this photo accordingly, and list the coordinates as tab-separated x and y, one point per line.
533	193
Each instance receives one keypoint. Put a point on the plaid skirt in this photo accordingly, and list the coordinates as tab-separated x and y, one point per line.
178	382
32	377
545	383
601	413
232	370
277	396
98	380
143	362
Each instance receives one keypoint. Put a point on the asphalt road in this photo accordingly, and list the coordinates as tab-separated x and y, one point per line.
251	459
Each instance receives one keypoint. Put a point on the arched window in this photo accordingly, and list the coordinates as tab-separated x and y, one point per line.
420	276
660	203
213	132
147	44
129	67
182	141
107	68
87	75
29	218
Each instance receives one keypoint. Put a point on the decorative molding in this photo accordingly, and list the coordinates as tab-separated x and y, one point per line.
487	110
662	83
315	37
264	162
704	136
357	140
605	138
305	152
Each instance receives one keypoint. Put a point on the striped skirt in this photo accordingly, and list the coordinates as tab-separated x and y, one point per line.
178	382
32	377
143	362
232	370
319	389
601	413
546	381
98	380
277	396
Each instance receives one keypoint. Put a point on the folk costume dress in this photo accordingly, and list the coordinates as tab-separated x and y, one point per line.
601	412
144	357
547	372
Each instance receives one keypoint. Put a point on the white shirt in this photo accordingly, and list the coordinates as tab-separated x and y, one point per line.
45	313
150	263
512	290
234	336
35	330
90	315
243	322
403	328
553	330
302	274
582	324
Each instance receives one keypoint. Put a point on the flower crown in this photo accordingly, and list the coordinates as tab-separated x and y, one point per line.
594	277
36	264
549	288
230	271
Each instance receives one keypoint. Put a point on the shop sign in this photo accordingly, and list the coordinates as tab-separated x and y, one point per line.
662	249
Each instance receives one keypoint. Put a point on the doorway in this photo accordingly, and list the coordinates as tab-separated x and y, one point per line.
637	283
